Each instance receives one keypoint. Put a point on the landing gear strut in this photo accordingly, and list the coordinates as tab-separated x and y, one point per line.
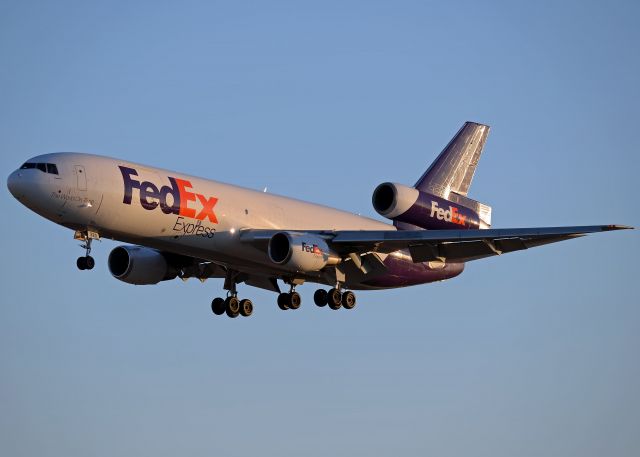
86	262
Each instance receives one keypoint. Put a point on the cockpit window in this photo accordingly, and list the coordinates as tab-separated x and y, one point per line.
46	167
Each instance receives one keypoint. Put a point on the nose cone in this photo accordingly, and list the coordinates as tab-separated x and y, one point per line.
17	185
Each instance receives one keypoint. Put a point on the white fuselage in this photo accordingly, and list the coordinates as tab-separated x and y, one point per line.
89	192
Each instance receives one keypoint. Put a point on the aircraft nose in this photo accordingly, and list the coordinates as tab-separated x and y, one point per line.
17	185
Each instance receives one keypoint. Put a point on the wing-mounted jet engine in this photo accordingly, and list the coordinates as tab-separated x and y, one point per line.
301	252
140	265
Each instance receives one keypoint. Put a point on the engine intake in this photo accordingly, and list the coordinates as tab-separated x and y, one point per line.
139	265
301	252
391	200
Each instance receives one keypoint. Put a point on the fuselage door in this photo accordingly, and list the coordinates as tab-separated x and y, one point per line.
81	177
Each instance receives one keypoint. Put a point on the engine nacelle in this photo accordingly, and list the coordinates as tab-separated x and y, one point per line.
412	206
301	252
139	265
391	200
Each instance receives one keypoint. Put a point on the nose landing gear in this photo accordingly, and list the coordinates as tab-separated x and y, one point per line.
86	262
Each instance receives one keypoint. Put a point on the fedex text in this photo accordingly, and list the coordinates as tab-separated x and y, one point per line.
451	215
177	198
311	248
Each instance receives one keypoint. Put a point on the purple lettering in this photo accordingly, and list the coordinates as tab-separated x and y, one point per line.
149	190
129	184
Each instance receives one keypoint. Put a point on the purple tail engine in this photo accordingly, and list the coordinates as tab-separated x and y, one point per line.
439	199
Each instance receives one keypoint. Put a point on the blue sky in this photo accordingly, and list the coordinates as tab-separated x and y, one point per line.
529	354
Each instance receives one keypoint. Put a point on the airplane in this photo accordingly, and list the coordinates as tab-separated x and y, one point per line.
180	226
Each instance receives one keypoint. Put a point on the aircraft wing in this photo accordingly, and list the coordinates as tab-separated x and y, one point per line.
423	245
457	245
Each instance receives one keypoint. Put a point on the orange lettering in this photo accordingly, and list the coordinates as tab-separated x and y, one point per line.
207	208
185	197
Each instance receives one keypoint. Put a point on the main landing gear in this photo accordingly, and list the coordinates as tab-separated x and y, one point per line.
289	300
231	305
334	298
86	262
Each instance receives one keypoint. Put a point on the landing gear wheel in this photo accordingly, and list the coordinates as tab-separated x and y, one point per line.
246	307
348	300
89	262
320	297
283	301
294	300
334	298
81	263
232	307
218	306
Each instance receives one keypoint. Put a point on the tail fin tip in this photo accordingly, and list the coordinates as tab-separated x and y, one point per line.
453	169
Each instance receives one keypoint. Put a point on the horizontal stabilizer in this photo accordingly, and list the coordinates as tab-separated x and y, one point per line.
483	211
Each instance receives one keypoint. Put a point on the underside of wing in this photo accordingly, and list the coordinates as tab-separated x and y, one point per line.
203	269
